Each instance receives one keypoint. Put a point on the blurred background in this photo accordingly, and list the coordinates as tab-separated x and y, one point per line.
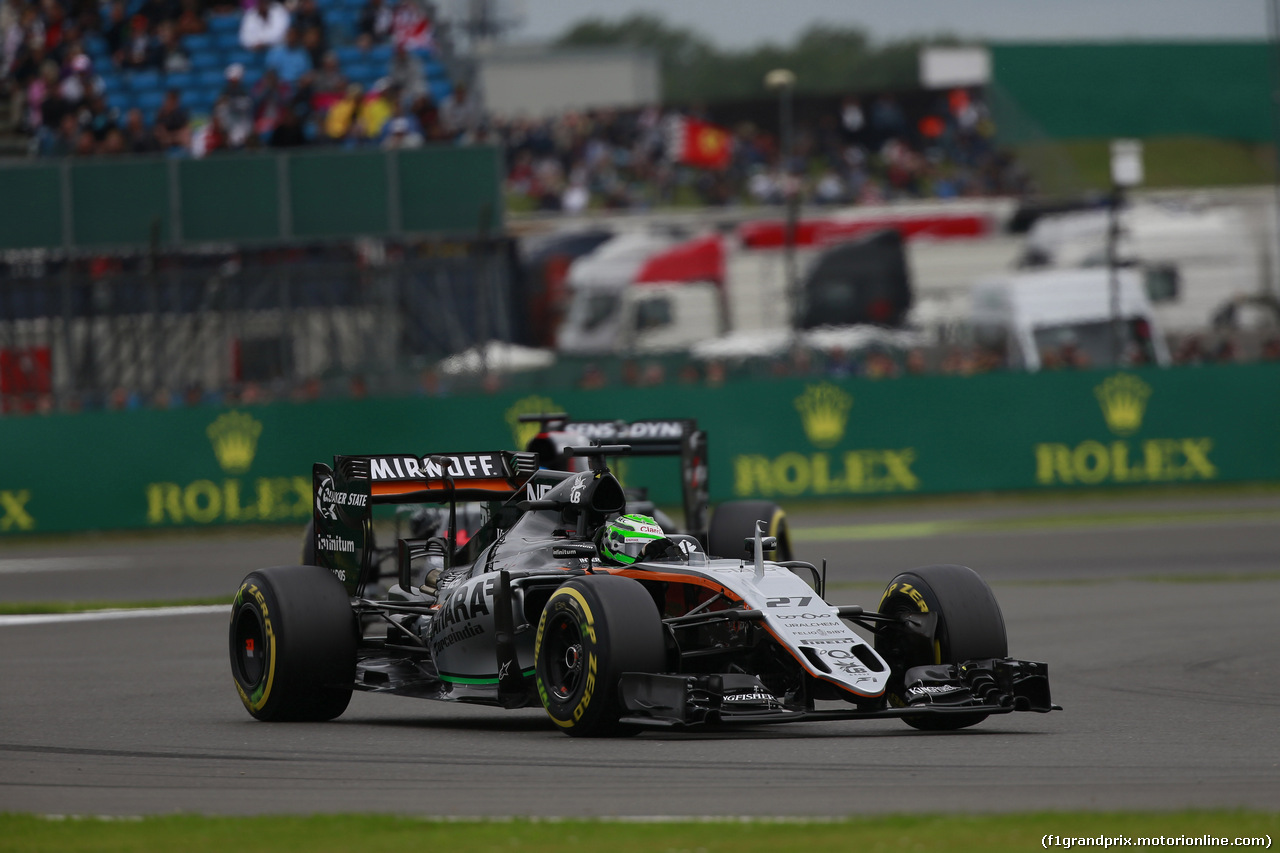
216	203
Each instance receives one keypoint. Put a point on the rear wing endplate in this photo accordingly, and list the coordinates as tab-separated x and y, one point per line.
673	437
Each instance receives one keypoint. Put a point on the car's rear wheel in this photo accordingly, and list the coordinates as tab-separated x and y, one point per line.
969	626
734	521
592	630
293	642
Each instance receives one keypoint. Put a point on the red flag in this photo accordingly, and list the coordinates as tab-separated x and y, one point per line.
699	143
410	28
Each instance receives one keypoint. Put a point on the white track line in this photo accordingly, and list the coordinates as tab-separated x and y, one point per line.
17	565
101	615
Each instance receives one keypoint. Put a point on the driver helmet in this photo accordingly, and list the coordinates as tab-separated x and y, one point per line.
629	538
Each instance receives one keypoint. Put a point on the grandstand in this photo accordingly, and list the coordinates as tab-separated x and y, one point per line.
210	53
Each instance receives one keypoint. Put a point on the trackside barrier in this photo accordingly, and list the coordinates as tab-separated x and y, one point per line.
782	439
145	202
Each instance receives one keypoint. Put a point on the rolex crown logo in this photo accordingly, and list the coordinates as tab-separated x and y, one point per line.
824	410
524	432
1124	401
235	441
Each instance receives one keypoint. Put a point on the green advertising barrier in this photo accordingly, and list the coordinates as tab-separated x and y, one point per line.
1105	90
783	439
141	202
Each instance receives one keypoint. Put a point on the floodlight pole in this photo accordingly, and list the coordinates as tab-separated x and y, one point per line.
1126	171
792	190
1113	272
784	82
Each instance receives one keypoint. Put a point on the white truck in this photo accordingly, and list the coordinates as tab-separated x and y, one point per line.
1067	316
649	291
1194	258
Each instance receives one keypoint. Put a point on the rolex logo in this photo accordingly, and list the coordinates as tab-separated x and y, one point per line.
235	440
824	410
1124	401
535	405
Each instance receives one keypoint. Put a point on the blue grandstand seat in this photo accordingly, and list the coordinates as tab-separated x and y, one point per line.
224	24
348	53
342	23
247	58
143	81
180	80
228	42
207	95
198	43
379	53
200	101
122	101
211	79
440	89
96	47
206	61
362	73
112	82
150	101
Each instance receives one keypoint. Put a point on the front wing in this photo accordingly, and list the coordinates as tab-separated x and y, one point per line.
992	686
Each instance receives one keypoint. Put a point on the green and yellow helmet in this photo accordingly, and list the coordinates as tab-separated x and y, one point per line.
629	538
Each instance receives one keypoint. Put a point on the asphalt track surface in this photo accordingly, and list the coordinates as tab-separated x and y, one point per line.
1157	617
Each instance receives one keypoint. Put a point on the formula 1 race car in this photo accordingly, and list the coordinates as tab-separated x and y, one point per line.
605	620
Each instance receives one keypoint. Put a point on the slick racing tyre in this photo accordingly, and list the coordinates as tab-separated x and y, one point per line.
592	630
969	627
734	521
293	644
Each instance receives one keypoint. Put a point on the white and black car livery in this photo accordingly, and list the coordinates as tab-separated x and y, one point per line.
525	613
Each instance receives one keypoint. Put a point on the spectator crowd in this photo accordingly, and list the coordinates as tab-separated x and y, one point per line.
192	77
856	153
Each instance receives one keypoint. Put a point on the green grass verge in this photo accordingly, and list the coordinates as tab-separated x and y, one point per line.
1069	166
371	834
26	608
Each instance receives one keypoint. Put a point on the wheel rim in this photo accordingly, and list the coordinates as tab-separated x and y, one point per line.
563	656
249	646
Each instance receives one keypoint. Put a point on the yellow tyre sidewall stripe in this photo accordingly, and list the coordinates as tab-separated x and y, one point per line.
542	623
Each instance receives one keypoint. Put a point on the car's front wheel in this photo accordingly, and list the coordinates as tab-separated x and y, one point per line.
969	626
592	630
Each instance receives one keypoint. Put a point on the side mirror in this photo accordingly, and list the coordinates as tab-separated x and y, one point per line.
767	543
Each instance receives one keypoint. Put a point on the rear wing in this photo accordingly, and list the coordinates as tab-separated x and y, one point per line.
647	438
674	437
346	493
